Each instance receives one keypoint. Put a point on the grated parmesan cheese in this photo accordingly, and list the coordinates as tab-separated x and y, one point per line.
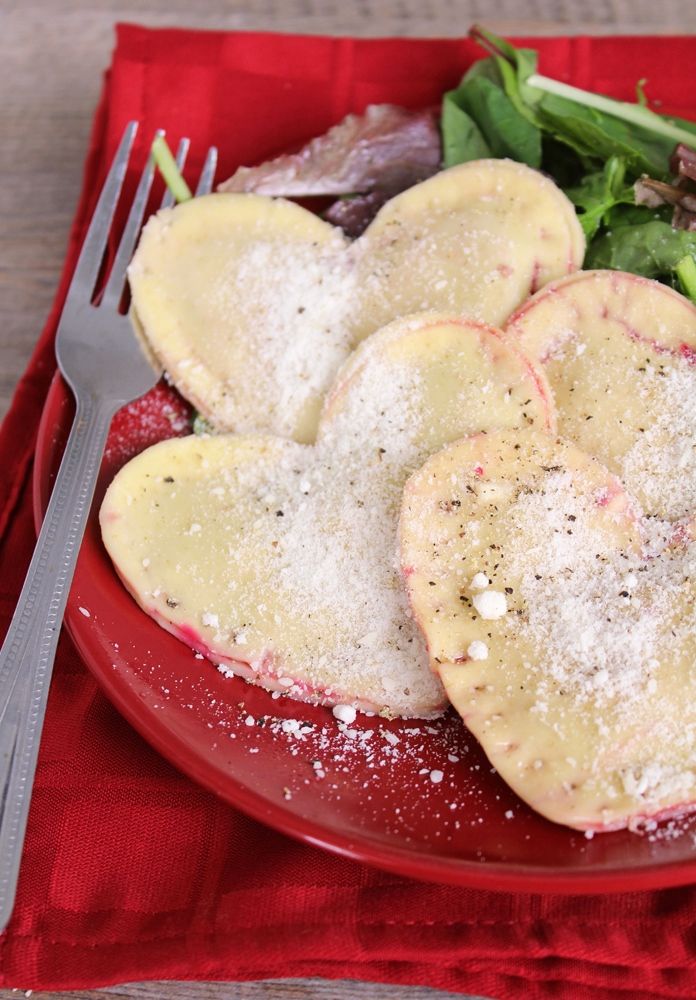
661	464
599	619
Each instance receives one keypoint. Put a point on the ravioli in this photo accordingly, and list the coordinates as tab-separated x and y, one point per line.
280	560
253	303
566	650
620	354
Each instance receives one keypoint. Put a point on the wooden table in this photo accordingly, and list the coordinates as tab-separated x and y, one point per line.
52	54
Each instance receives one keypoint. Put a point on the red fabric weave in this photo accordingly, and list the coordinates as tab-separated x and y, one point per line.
130	870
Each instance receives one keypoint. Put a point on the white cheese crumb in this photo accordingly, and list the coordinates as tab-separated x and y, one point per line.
477	650
479	581
249	721
509	814
146	563
491	604
436	776
344	713
391	738
85	612
210	619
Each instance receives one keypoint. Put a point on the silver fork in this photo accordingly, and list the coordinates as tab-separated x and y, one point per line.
105	365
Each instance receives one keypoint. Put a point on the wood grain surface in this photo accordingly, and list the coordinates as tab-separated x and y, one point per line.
270	989
52	55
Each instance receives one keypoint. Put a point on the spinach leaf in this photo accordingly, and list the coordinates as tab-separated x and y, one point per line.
652	249
514	67
599	136
686	273
599	192
636	215
461	138
505	131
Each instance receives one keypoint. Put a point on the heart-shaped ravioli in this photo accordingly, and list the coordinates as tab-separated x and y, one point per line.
620	354
567	653
280	559
252	303
246	302
475	240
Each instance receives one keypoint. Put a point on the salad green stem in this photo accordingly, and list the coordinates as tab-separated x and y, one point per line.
637	114
166	164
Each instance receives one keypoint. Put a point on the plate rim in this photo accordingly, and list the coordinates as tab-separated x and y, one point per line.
490	875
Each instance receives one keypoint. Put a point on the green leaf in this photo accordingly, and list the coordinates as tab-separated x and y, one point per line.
515	66
461	139
505	132
636	215
652	249
686	273
598	136
599	192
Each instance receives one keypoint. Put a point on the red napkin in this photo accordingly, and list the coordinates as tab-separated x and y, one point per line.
130	870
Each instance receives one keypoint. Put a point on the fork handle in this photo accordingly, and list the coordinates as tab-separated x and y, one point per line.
28	652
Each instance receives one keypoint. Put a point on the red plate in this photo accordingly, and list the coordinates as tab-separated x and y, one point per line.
368	797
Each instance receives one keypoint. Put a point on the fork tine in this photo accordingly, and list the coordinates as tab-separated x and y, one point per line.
114	286
90	259
205	181
181	153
